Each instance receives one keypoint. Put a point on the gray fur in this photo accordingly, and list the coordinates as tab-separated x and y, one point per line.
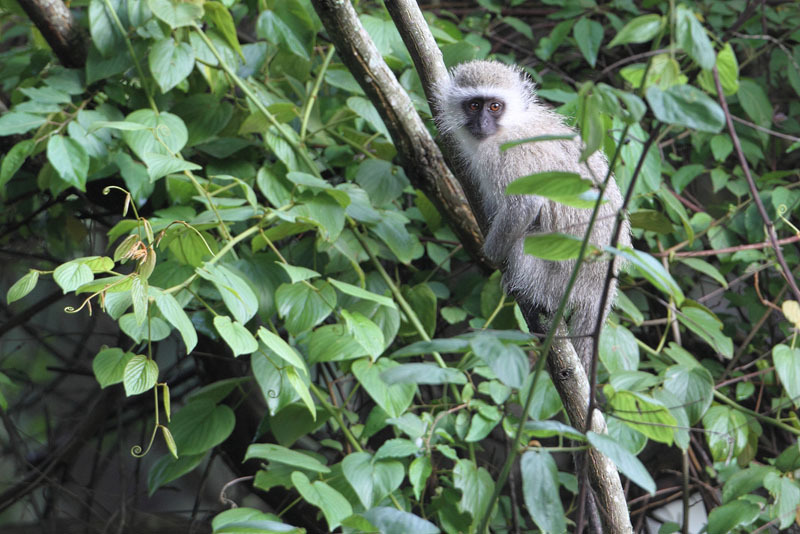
512	218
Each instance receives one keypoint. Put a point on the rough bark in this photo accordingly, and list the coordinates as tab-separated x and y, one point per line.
55	21
418	154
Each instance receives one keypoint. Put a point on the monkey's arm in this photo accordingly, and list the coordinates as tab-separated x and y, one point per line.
515	218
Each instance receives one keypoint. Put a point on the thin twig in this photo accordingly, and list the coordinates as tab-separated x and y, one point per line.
787	274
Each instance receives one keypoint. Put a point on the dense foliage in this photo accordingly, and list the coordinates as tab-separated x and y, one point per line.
215	185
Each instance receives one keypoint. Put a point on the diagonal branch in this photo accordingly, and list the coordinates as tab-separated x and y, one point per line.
773	238
419	156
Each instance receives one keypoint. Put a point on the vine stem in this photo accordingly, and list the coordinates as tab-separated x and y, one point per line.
773	238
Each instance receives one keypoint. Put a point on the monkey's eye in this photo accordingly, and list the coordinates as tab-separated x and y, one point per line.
474	105
495	107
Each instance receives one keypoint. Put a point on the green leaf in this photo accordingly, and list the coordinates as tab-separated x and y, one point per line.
423	373
238	338
16	122
685	105
726	518
588	35
628	464
282	455
507	361
167	468
71	275
175	12
639	30
302	389
395	398
282	349
644	414
109	366
364	109
140	375
422	300
547	429
170	62
271	26
223	21
393	521
159	165
565	187
139	299
365	332
706	325
618	349
371	480
303	307
419	471
69	159
553	246
103	29
786	493
728	69
250	521
14	159
22	287
706	268
297	274
540	489
153	329
392	231
693	386
355	291
332	343
652	270
333	505
201	425
236	293
755	102
476	487
726	432
173	312
787	364
692	37
434	345
165	134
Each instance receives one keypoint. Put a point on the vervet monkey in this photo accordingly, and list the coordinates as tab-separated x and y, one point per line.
484	104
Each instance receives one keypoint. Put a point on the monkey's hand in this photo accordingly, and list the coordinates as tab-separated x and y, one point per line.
513	221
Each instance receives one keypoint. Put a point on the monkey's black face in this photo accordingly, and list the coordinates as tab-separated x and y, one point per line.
483	116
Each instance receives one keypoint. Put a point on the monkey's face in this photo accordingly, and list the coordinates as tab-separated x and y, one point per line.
483	116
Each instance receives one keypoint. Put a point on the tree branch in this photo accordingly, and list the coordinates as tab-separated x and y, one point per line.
419	156
54	20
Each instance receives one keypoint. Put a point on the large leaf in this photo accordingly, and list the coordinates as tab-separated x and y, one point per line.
333	505
236	293
476	487
238	338
787	364
589	35
176	13
170	62
201	425
628	464
371	480
277	454
508	362
174	313
302	306
69	159
394	398
540	490
684	105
